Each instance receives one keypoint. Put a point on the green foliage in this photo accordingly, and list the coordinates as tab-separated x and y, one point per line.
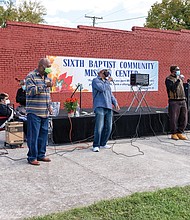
8	13
166	204
31	12
25	12
169	15
71	104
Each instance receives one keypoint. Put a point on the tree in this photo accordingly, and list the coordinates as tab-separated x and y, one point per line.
26	12
7	14
169	15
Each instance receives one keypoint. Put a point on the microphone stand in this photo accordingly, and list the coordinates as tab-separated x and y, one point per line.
80	104
79	85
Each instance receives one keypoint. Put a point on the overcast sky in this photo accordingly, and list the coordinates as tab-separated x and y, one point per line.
117	14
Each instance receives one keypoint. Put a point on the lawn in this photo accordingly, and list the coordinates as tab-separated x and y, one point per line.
166	204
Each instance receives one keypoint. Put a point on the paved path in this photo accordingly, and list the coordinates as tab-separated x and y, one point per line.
81	177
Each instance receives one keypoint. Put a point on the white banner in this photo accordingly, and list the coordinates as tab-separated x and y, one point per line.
68	72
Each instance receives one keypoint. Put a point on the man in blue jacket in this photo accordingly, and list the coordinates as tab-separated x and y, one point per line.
103	99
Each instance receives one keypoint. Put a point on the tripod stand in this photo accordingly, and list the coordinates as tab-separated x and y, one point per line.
139	95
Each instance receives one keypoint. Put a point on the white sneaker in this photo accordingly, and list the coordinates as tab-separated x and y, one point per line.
106	146
95	149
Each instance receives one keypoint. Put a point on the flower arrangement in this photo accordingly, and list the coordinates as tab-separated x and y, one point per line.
71	104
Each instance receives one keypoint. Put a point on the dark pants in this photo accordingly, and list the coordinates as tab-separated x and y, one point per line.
178	116
24	126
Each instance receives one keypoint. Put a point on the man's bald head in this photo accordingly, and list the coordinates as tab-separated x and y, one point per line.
43	63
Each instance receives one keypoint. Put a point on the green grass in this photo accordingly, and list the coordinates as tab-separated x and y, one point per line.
166	204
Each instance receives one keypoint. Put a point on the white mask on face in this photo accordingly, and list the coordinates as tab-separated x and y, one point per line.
7	101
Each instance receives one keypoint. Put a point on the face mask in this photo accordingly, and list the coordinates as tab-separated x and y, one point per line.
177	73
24	87
48	70
7	102
106	73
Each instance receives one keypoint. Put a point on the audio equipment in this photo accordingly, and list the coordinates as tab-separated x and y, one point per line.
139	79
14	133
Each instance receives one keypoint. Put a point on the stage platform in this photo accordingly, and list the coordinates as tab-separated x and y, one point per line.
126	124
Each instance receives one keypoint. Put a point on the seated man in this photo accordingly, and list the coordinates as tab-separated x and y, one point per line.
4	109
21	98
10	114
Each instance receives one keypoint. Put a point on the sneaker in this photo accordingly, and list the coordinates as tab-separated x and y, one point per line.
95	149
106	146
175	137
181	137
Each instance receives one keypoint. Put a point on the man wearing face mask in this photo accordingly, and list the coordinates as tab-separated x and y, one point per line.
38	107
177	104
103	99
9	112
5	110
21	98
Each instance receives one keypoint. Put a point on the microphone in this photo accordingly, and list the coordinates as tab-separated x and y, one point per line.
111	79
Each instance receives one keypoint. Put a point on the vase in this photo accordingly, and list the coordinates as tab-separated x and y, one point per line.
71	114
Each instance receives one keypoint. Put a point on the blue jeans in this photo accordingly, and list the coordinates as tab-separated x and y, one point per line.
37	134
103	126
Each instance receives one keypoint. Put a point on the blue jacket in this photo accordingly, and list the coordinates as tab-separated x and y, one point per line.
102	94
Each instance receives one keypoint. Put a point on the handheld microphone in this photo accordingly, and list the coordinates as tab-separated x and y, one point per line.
111	79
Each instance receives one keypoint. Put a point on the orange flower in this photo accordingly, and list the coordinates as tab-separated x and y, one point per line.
71	104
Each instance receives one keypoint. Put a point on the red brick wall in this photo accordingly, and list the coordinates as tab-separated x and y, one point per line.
23	44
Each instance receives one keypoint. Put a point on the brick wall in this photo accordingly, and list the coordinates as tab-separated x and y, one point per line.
23	44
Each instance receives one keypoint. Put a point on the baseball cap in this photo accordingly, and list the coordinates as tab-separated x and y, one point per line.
100	69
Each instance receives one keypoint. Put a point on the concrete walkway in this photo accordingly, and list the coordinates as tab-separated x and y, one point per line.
78	177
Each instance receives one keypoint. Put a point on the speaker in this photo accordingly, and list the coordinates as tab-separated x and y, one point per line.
14	133
139	79
187	94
